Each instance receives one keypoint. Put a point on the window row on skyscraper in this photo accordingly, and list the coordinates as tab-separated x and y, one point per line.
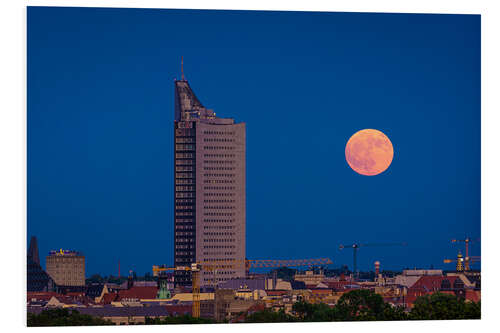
218	181
223	194
183	253
219	207
216	187
181	147
186	181
218	132
184	175
219	155
184	155
185	233
184	188
219	220
218	214
184	195
220	253
218	227
184	240
184	162
184	213
218	162
229	175
218	240
184	140
183	207
220	201
184	247
183	168
185	227
218	140
178	201
219	233
215	148
218	168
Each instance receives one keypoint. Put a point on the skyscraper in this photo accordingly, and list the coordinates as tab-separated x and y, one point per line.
209	194
67	268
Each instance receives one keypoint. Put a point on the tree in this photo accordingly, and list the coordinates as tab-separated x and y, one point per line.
360	304
365	304
313	312
444	306
95	278
285	273
64	317
269	316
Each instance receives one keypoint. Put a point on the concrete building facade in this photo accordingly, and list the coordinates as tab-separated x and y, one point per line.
66	268
209	194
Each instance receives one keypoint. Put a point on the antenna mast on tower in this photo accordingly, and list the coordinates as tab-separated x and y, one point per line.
182	68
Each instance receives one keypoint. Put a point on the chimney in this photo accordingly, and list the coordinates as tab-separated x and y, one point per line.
377	268
130	281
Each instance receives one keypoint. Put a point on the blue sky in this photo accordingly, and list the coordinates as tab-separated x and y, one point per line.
100	121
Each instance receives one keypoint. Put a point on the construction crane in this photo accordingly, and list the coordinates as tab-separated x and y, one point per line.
463	264
195	269
195	276
467	241
355	247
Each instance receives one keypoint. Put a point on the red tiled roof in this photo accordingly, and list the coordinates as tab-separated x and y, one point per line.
45	296
473	295
75	294
276	292
108	298
339	285
321	291
138	292
68	299
428	283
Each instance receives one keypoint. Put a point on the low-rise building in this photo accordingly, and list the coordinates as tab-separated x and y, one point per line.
310	278
229	306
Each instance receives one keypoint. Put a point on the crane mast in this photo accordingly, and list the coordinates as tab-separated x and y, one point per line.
355	247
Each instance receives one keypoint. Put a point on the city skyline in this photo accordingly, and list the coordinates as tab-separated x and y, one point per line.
100	108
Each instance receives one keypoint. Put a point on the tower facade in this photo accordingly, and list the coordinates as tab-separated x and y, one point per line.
209	191
67	268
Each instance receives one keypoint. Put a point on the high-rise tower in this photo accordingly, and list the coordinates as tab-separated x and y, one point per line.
209	194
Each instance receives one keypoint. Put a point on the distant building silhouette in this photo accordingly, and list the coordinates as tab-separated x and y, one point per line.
37	278
33	250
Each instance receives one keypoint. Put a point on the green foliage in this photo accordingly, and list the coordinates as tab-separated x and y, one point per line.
355	305
269	316
96	278
361	304
64	317
313	312
285	273
185	319
444	306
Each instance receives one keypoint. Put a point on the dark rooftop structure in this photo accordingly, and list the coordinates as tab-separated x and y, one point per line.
37	278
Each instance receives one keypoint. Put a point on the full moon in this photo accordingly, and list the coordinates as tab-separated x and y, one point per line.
369	152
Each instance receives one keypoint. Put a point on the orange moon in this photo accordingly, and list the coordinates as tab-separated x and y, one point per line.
369	152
